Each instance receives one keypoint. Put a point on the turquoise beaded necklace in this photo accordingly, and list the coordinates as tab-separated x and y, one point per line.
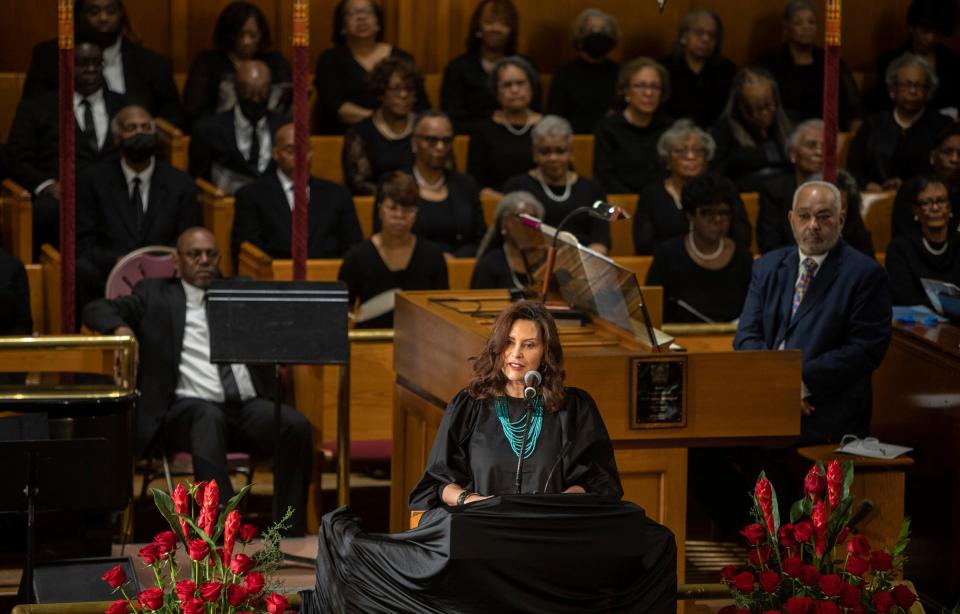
513	430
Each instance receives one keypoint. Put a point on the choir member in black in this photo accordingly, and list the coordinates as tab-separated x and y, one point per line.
465	92
895	145
343	93
582	91
752	131
624	149
700	76
392	259
381	143
930	23
15	317
241	34
142	76
500	262
805	150
684	150
798	69
474	457
449	213
559	188
933	253
945	161
704	274
500	145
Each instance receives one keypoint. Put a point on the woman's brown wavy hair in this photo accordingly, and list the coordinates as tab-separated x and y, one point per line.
488	380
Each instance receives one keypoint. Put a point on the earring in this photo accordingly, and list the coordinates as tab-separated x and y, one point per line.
916	219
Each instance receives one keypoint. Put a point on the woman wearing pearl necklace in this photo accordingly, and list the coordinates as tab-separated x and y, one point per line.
933	252
558	187
704	274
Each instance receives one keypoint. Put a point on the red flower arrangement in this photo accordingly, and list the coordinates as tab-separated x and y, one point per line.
813	565
220	581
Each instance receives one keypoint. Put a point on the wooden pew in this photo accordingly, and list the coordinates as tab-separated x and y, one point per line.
432	83
16	219
459	272
37	311
50	263
461	145
621	231
640	265
218	210
364	208
325	158
174	143
877	213
751	202
489	204
843	148
582	150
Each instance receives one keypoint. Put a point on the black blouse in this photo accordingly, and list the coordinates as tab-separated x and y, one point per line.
339	79
465	95
625	156
658	219
493	271
902	221
718	295
747	166
801	88
908	261
368	154
470	450
583	93
15	318
496	154
948	75
583	193
366	275
883	150
699	96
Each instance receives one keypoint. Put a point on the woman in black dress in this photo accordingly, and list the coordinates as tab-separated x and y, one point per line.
945	163
685	150
798	69
381	143
241	34
343	95
934	254
500	262
700	76
624	148
450	213
582	91
559	188
704	274
491	36
500	146
752	131
392	259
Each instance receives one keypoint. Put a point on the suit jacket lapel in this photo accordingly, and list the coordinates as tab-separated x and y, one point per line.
157	195
122	196
285	215
178	317
786	282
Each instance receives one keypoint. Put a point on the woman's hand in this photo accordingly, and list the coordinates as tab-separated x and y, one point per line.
475	497
575	490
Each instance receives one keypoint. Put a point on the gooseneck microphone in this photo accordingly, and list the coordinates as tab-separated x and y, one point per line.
531	380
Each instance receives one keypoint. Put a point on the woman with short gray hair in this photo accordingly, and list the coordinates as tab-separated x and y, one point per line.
555	184
893	146
500	263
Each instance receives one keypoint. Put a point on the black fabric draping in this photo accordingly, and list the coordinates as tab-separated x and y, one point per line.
548	553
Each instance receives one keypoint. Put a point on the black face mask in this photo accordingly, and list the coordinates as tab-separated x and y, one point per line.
597	44
252	110
140	146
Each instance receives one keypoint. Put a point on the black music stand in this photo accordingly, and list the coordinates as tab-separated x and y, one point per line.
278	323
47	475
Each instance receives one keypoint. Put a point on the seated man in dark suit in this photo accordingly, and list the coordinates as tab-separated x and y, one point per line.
127	203
828	300
144	77
264	210
199	406
32	149
232	148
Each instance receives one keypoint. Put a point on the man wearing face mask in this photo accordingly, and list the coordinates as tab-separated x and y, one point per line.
127	203
582	91
232	148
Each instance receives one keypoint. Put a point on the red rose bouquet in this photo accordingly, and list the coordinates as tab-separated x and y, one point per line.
812	565
218	579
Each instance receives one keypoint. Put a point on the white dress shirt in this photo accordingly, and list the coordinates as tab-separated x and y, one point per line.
287	184
200	378
243	129
145	176
101	121
804	391
113	68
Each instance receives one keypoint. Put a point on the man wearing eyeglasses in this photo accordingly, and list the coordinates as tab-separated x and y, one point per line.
189	403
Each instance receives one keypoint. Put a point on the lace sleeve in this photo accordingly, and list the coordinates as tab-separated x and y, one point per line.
357	171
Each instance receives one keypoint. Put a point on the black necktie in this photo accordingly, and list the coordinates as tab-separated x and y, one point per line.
231	391
136	201
254	157
89	129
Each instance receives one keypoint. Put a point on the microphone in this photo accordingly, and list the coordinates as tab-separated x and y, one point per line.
531	379
556	463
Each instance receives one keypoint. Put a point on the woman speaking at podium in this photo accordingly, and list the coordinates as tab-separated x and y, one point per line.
479	550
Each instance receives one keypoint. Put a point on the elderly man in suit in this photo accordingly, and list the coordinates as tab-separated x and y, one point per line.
32	149
127	203
264	210
199	406
828	300
140	75
232	148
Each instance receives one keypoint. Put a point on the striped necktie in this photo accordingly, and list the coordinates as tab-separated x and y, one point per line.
809	270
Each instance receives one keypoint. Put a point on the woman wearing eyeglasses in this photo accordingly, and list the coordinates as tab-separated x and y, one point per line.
705	274
624	150
934	253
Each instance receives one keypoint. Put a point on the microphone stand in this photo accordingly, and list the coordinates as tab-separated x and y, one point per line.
523	445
